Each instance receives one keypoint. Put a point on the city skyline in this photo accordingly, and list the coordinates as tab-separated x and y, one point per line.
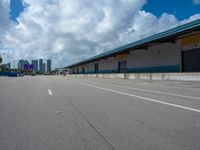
37	66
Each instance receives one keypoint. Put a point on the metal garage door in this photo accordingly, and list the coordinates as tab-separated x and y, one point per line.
191	60
83	70
122	67
96	68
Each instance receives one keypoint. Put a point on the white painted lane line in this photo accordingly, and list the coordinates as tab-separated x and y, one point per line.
152	91
141	97
50	92
159	92
165	86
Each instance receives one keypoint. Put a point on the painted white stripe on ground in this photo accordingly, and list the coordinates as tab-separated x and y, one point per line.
153	91
141	97
166	86
50	92
158	92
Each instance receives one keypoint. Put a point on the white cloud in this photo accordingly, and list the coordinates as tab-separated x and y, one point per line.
72	30
196	2
192	18
4	16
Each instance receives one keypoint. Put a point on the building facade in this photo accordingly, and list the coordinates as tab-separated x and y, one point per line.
35	65
48	65
8	66
175	50
22	63
43	68
40	65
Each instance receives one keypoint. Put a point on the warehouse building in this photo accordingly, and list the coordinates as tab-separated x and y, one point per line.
175	50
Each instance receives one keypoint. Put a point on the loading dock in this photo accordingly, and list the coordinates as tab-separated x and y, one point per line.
96	68
122	66
172	51
191	60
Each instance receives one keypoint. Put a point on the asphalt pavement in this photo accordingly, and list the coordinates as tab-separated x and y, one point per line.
73	113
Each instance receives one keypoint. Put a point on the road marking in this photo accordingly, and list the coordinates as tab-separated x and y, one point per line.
151	91
166	86
50	92
141	97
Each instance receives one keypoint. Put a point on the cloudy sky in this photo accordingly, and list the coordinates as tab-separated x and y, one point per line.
72	30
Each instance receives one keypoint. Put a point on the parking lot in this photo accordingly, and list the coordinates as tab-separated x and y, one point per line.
57	112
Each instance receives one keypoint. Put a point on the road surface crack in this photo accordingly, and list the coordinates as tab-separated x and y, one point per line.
89	123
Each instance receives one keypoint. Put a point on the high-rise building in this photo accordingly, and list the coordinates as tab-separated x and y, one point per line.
48	65
8	65
43	67
22	63
35	65
40	65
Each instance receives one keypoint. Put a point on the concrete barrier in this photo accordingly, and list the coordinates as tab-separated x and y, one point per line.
166	76
145	76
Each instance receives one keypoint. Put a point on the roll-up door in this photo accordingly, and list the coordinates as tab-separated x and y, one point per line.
96	68
191	60
83	70
122	67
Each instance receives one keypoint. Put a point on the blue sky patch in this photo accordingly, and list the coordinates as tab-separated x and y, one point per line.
182	9
16	7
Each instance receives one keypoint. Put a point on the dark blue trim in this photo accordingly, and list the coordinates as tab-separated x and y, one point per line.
101	71
152	69
171	68
107	71
89	72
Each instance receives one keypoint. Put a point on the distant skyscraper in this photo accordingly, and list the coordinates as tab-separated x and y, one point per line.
43	67
40	65
22	63
48	65
35	65
8	65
